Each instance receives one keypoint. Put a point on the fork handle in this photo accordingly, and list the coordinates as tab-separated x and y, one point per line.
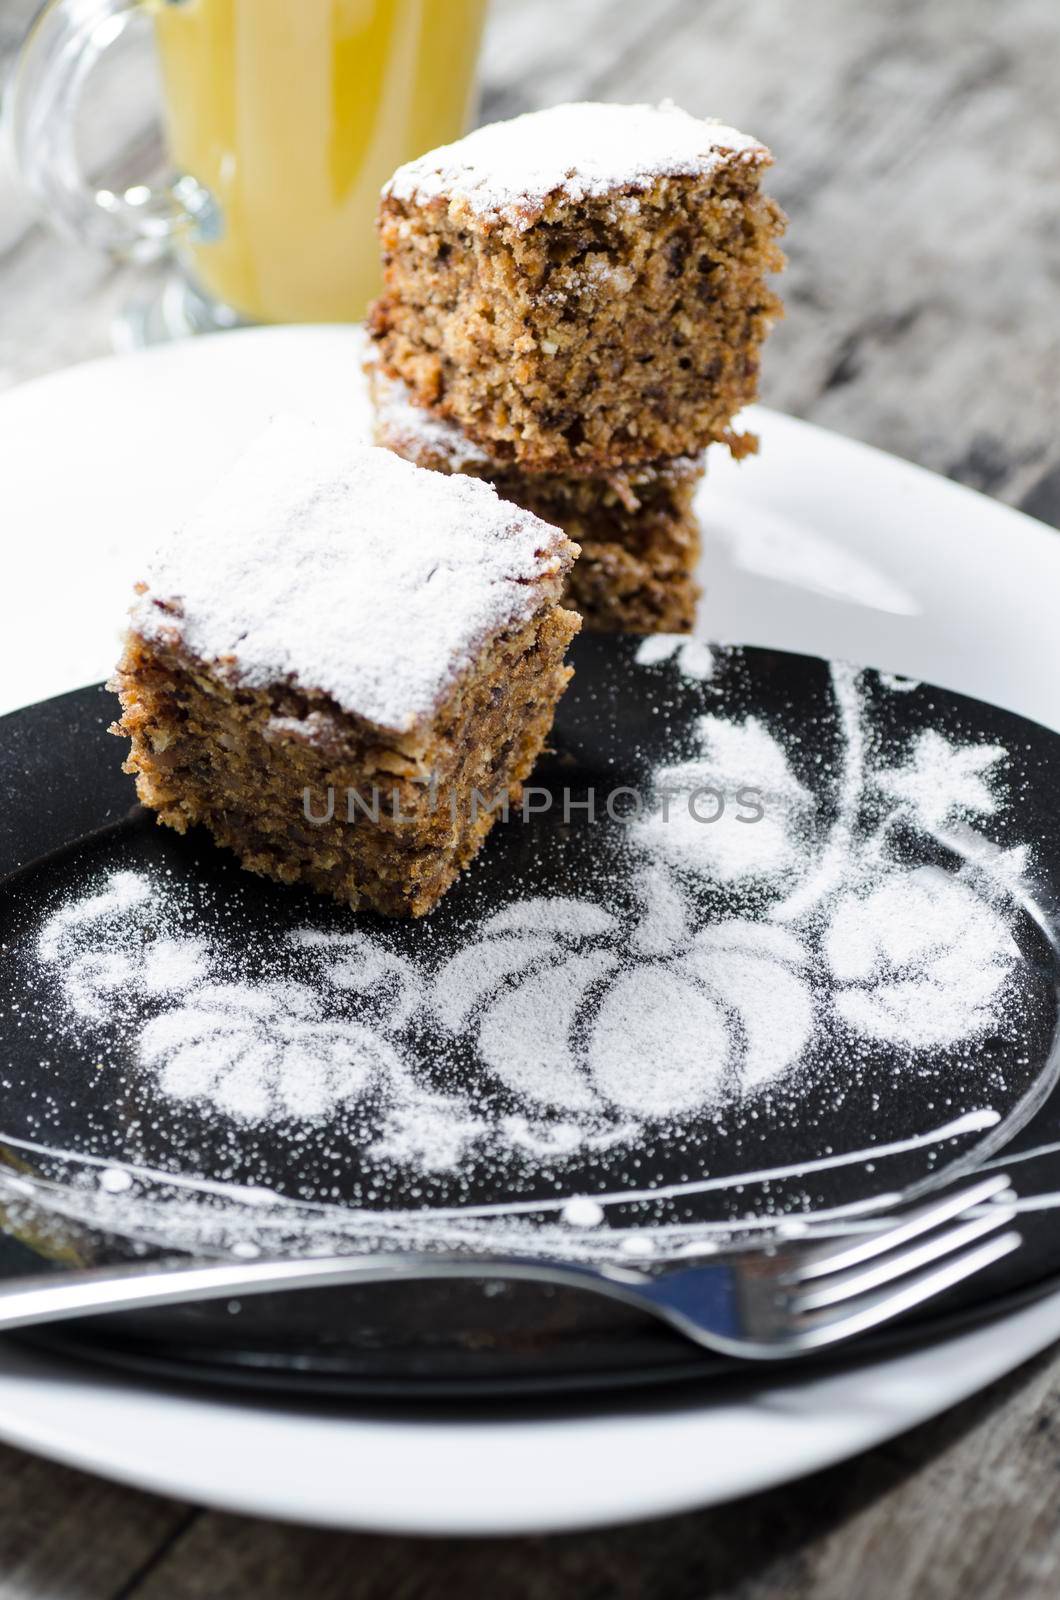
56	1297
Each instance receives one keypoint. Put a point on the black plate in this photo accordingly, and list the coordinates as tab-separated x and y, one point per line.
681	1090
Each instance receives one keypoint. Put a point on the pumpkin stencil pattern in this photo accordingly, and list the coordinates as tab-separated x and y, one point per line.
256	1052
565	1018
608	1018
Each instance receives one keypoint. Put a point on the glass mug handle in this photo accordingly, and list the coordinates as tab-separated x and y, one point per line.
60	52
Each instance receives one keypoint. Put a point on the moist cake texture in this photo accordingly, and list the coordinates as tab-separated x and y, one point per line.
582	288
636	528
336	623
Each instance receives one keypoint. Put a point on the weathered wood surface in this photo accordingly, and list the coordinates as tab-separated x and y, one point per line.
918	154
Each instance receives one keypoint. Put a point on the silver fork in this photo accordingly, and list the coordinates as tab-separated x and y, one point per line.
762	1304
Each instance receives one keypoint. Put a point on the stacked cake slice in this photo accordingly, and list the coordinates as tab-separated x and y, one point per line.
573	307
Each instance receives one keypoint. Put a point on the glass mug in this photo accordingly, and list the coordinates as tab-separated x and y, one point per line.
283	120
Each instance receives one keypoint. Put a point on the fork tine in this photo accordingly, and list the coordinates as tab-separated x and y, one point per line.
859	1280
880	1307
836	1258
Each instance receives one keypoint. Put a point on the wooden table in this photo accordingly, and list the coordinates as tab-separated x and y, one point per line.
918	154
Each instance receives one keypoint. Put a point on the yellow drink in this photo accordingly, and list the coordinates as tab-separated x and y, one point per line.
293	113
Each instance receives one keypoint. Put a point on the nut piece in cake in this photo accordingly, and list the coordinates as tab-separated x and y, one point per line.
582	288
342	664
636	528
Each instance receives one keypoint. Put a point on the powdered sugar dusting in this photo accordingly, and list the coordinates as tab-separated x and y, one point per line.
509	169
400	423
731	848
695	659
921	957
345	570
687	998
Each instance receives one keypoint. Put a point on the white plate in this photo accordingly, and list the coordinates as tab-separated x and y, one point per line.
539	1471
821	545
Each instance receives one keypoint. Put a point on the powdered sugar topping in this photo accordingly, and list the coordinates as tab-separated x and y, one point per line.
509	169
345	570
399	421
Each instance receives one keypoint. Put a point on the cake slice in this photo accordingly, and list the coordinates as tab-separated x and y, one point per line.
637	529
343	665
582	288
